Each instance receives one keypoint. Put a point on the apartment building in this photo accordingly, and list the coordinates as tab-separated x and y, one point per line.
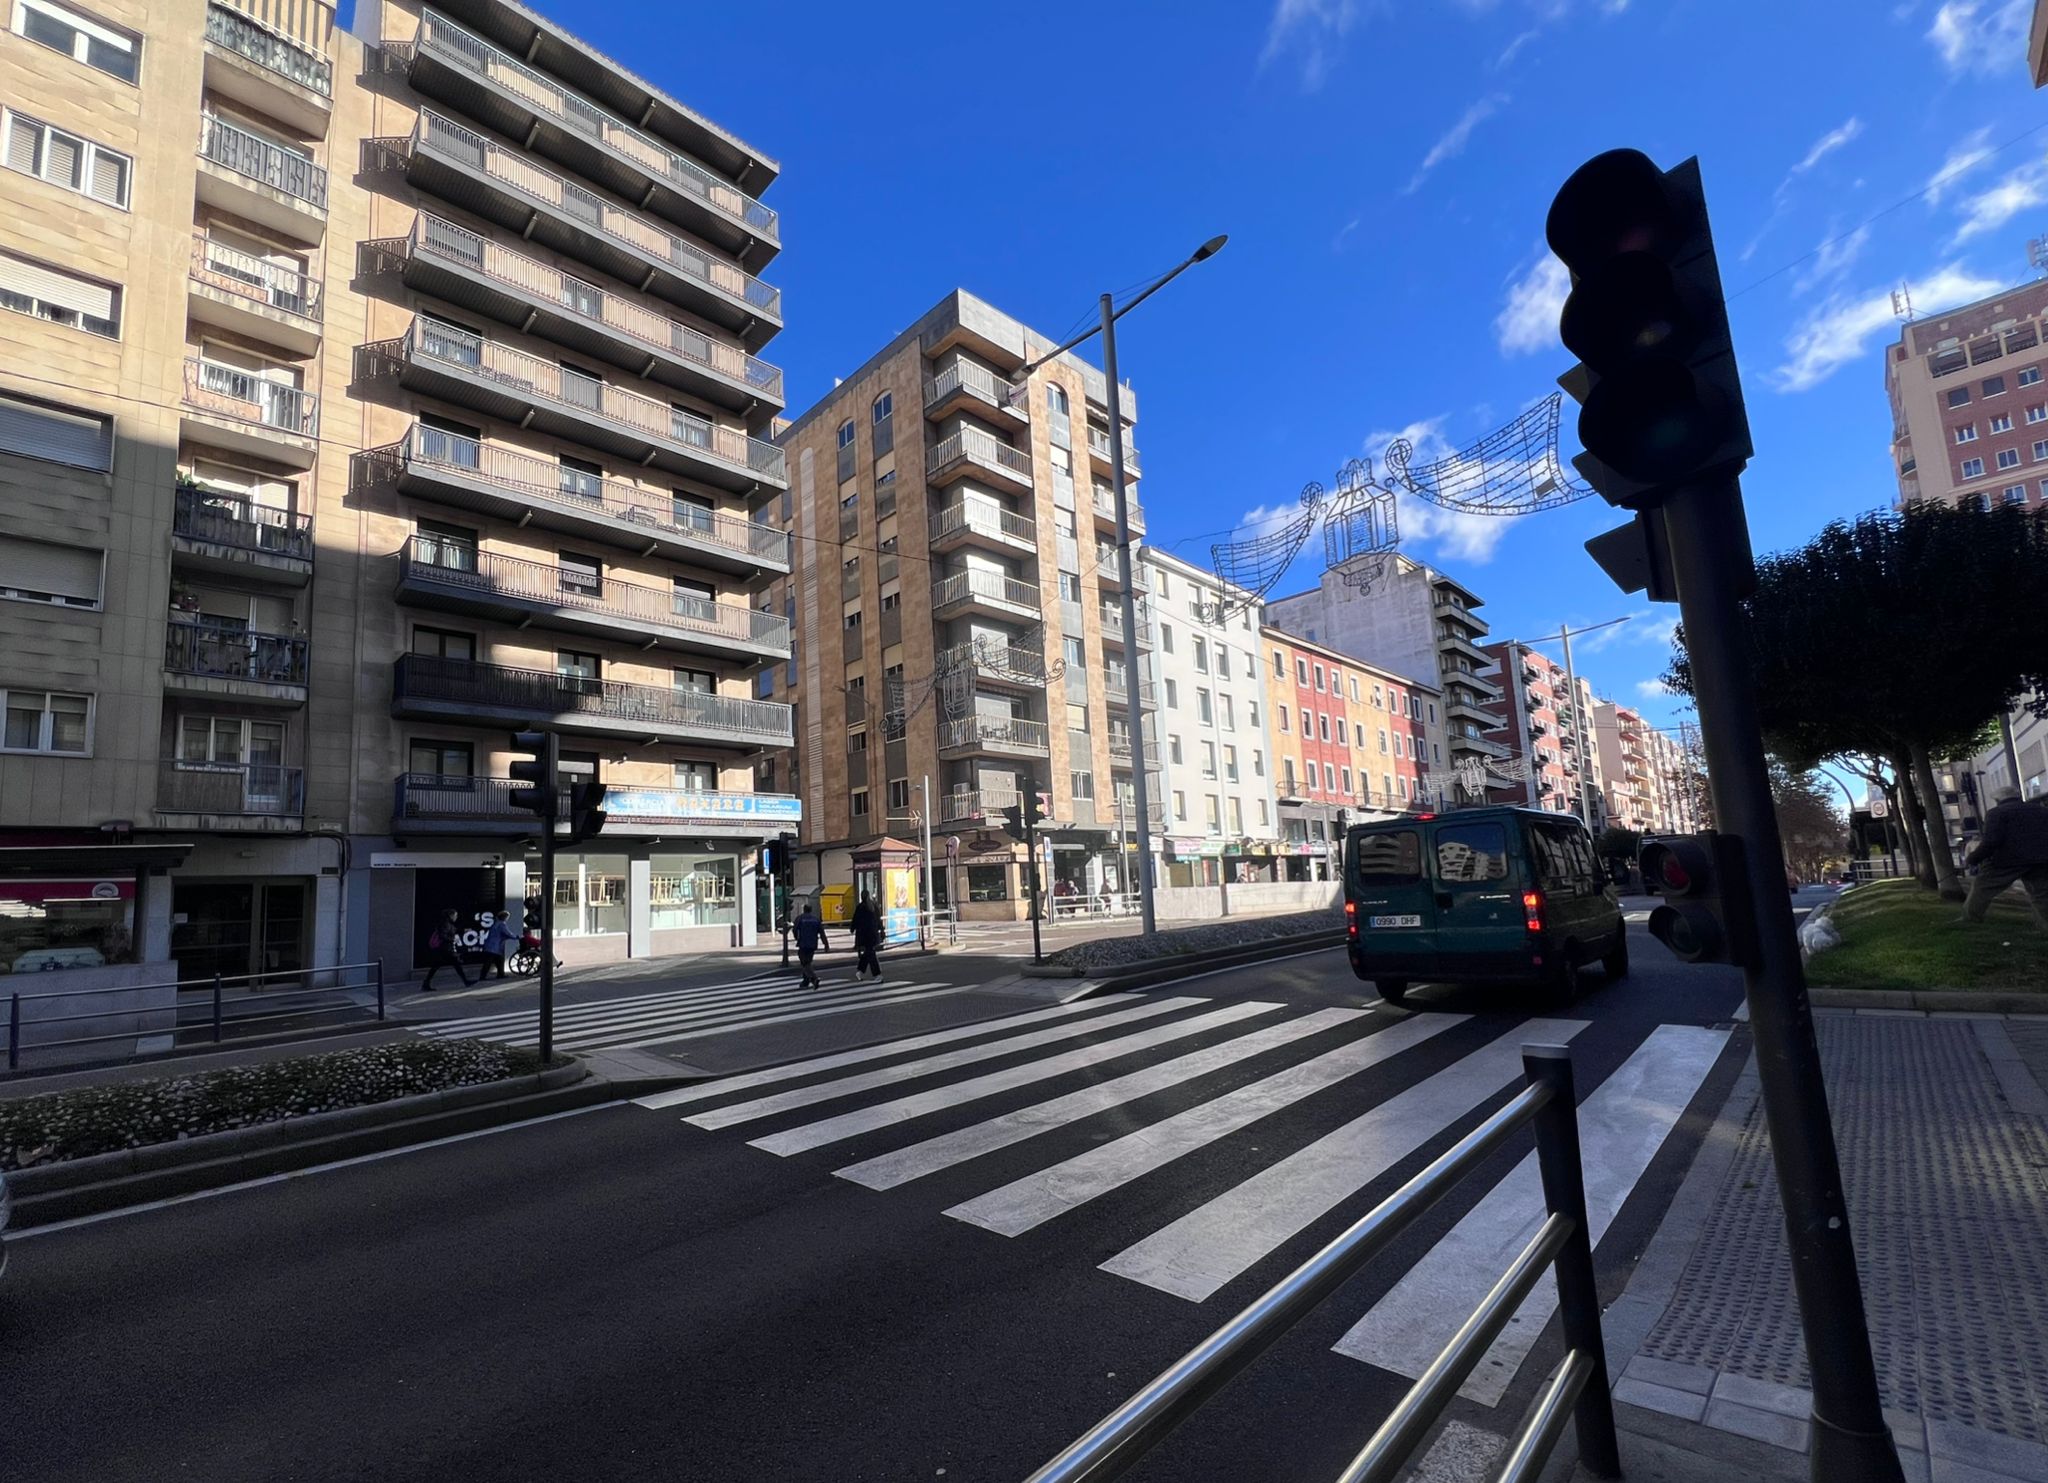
1353	741
1545	736
954	525
1629	777
1415	620
417	403
1969	405
1221	818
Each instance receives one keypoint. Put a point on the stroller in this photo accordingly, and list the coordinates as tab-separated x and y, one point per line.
526	957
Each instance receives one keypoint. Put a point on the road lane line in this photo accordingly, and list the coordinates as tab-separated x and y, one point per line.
662	1037
640	1021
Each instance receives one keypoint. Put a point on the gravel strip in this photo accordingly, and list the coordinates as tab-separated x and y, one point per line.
1113	952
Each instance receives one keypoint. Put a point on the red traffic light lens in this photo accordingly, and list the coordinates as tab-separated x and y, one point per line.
1674	875
1615	202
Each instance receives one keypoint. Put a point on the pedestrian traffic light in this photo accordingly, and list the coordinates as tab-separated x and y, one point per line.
1037	808
1706	915
1661	403
586	810
1013	821
536	760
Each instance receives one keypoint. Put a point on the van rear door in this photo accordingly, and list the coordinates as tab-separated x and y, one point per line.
1478	883
1386	882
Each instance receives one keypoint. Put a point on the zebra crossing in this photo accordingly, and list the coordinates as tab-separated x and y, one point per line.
678	1014
936	1104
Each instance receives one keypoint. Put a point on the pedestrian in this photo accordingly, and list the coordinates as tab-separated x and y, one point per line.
867	939
498	940
2013	848
444	950
809	931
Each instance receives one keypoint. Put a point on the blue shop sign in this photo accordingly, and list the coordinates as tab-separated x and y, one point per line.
677	803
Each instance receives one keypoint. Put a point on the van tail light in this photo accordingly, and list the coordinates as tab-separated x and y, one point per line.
1532	910
1351	919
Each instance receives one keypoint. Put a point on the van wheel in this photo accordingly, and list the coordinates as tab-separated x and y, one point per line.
1615	963
1393	990
1565	979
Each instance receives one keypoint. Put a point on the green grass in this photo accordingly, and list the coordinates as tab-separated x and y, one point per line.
1897	936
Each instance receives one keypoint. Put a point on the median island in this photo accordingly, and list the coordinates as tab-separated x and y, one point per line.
1897	936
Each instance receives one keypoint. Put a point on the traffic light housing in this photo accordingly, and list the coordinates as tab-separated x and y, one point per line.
586	810
1013	821
1661	404
1037	808
1706	915
536	762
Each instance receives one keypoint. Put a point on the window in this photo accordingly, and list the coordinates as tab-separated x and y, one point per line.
1180	805
578	672
2008	458
1376	702
1283	714
1251	708
1230	762
2031	376
62	298
1469	853
1307	726
1308	773
1070	587
1212	810
583	576
1994	386
1236	816
1301	671
1323	725
860	803
2015	494
1383	743
1343	736
696	681
55	435
1173	750
426	757
1226	711
1286	774
1208	759
1258	763
1346	773
1329	778
1319	679
65	160
37	571
98	46
899	794
2037	413
846	450
1967	433
1959	396
1972	468
2041	450
1260	804
1279	665
1204	708
884	433
443	643
1172	695
42	721
1081	784
1354	689
1165	630
1387	786
852	620
856	741
2002	423
694	777
1222	662
988	883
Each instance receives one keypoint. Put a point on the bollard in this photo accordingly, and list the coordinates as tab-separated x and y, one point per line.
380	990
216	1009
14	1032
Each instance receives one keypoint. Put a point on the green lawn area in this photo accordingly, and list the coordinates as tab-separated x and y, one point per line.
1898	936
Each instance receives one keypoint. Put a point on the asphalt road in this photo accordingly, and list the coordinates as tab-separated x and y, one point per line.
623	1294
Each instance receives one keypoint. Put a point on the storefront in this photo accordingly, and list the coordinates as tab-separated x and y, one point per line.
65	905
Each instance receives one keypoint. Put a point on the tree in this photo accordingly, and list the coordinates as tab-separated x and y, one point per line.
1896	635
1620	848
1812	830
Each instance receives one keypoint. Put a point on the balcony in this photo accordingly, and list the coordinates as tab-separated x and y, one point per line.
248	62
1117	688
435	574
987	593
1477	746
238	291
1109	571
245	412
458	366
1099	451
996	664
426	803
973	807
978	523
1465	710
207	660
230	535
1120	752
992	736
460	68
964	386
1113	625
502	185
425	688
250	177
1454	642
974	453
240	796
1105	509
459	471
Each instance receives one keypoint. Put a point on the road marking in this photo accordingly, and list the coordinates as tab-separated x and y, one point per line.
1621	1127
755	1021
919	1159
1210	1245
606	1008
1036	1198
846	1086
903	1109
594	1031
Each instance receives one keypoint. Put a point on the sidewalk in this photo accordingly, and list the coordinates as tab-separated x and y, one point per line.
1942	1126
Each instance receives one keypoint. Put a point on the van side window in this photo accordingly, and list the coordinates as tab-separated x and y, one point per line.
1471	852
1589	863
1389	858
1557	864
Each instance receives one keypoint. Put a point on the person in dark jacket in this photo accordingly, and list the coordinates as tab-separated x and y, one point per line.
867	939
444	950
2013	848
809	931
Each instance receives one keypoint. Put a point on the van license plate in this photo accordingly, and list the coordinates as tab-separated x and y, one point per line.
1410	921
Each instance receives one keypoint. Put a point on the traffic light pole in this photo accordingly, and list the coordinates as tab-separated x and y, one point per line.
547	941
1710	560
1031	863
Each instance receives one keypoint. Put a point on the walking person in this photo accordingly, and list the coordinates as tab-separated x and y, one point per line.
499	939
2012	849
444	950
867	939
809	931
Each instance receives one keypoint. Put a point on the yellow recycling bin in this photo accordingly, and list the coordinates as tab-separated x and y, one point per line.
835	904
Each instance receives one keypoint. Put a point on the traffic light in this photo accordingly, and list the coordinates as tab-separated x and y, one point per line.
1706	916
536	761
1661	403
586	810
1013	821
1037	808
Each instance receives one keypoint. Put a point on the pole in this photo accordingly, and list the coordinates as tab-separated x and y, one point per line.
1710	559
1133	688
547	942
1031	864
926	935
1571	684
2012	756
216	1009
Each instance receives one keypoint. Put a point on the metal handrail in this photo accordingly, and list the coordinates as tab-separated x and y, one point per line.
243	36
535	693
210	386
983	448
268	164
984	730
975	516
250	277
208	650
245	789
989	586
1098	444
206	982
976	381
225	518
1117	1443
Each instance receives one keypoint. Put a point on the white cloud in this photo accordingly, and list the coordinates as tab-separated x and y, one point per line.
1966	156
1826	145
1832	259
1344	233
1652	690
1454	140
1514	49
2023	188
1974	37
1528	321
1314	28
1839	330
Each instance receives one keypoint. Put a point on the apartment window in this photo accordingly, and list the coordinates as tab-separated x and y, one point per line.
1387	786
1222	662
38	571
1994	386
1347	779
852	620
55	434
856	741
583	479
1354	689
1967	433
1204	707
219	739
846	450
46	721
1208	759
1279	665
1213	813
583	576
579	673
1070	587
1282	713
1972	468
1226	711
2015	494
1236	816
892	599
62	298
2031	376
1172	695
1286	774
61	29
1959	396
899	794
1308	772
2008	458
1180	805
1230	762
2041	450
1323	725
1165	631
1319	679
1300	671
66	160
884	432
2037	413
1308	728
1081	784
1059	412
1258	763
1201	651
2002	423
1251	708
1173	750
443	643
1383	743
696	681
1432	713
694	777
1260	804
860	803
1376	703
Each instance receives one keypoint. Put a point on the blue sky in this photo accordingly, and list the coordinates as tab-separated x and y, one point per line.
1383	168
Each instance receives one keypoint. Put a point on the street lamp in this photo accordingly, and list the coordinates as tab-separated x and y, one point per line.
1128	599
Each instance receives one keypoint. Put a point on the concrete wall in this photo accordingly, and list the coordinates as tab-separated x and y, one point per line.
137	1003
1182	904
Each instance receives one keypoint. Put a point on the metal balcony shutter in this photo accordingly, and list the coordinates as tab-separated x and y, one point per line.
109	177
62	156
41	569
21	144
61	437
50	286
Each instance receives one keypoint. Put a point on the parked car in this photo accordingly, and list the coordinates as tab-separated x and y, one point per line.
1479	895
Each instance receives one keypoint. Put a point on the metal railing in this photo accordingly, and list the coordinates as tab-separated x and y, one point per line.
994	731
473	54
977	381
570	489
247	789
958	807
1098	444
261	161
1105	506
245	395
979	448
1577	1389
223	518
540	693
263	46
988	657
248	276
972	515
1120	750
986	587
427	560
470	252
214	652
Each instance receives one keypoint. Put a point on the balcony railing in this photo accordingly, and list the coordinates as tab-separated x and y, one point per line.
977	381
1105	506
214	652
985	587
461	48
469	252
247	396
536	693
1113	622
983	520
570	489
996	732
224	519
998	660
980	448
243	36
428	560
957	807
250	277
1120	750
261	161
1098	444
254	789
512	169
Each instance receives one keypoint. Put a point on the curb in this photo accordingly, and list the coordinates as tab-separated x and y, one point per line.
1932	1001
1149	971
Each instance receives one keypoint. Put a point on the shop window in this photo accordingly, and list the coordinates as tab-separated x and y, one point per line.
693	891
